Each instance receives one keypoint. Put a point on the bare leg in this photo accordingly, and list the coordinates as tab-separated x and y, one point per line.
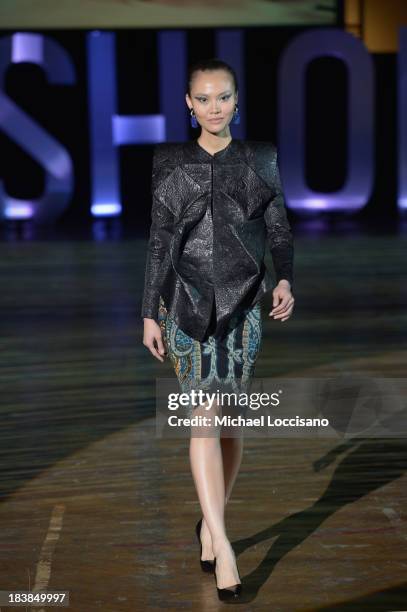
232	451
207	466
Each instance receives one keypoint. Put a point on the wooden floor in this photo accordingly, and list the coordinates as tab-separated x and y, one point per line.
93	503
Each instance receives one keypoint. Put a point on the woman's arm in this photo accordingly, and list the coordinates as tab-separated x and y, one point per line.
279	235
280	242
160	233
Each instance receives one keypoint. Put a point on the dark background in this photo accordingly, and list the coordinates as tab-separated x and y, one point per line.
63	110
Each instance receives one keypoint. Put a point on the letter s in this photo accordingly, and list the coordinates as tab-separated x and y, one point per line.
29	135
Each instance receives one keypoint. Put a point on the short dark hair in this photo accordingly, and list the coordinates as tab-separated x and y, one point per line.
212	63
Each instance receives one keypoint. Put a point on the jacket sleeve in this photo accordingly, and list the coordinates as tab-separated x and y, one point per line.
279	235
157	249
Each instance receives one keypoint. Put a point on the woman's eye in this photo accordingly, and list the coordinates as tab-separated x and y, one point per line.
223	98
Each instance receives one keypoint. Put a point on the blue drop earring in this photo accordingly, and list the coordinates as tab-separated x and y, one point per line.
194	122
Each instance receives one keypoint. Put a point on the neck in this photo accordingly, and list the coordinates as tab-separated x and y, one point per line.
214	142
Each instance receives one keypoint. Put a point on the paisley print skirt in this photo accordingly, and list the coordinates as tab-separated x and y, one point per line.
224	364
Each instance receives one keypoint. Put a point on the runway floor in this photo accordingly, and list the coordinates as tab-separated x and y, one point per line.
93	503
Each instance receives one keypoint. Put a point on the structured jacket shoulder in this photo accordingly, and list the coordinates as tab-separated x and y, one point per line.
212	218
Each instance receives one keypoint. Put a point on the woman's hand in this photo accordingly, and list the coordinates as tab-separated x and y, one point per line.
283	301
152	337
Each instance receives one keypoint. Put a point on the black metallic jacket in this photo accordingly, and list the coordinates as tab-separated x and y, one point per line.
212	217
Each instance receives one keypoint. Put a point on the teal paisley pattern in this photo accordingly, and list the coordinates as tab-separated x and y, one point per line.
226	364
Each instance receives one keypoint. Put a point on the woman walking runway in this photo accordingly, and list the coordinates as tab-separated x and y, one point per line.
217	204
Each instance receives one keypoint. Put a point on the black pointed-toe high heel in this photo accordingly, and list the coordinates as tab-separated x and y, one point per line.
206	566
229	593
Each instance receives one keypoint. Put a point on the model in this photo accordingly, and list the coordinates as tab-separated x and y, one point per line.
217	204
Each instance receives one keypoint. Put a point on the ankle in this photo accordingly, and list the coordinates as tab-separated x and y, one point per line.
220	543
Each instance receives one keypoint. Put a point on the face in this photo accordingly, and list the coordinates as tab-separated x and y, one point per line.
213	99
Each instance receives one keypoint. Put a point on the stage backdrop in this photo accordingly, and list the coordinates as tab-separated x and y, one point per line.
164	13
80	111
